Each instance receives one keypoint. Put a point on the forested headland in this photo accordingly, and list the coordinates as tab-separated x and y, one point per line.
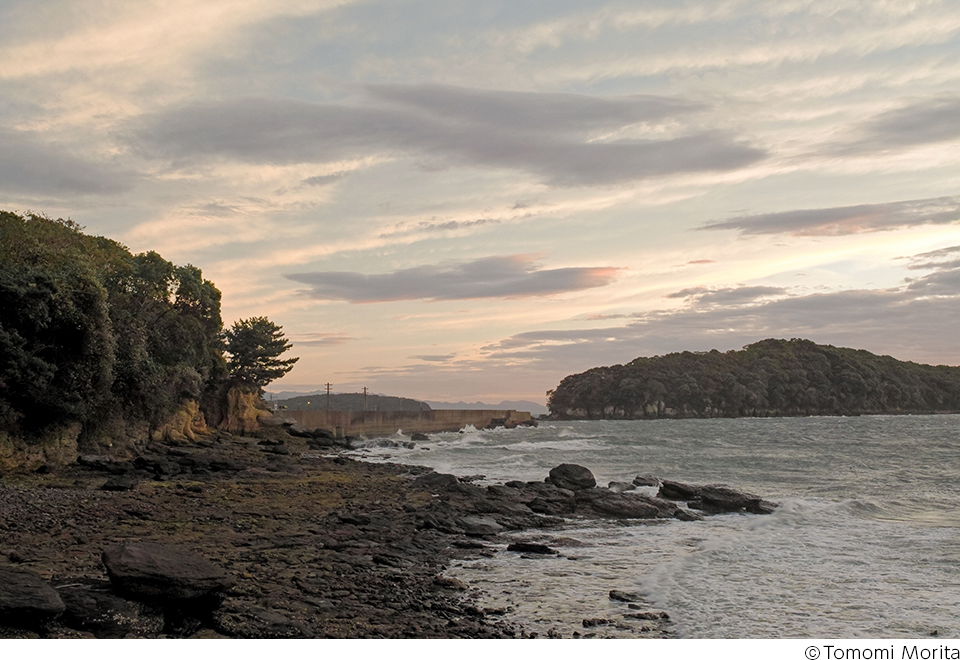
100	347
773	377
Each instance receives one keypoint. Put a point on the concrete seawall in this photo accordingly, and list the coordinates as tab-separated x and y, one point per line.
380	422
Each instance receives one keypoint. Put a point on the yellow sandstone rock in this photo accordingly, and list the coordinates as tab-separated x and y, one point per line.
183	425
244	410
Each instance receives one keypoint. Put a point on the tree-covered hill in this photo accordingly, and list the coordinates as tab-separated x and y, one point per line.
772	377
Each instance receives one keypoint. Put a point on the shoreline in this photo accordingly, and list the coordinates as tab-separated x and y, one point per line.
315	546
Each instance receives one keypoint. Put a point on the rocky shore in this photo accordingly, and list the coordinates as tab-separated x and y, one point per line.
274	537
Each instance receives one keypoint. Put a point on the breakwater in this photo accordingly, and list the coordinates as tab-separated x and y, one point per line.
385	422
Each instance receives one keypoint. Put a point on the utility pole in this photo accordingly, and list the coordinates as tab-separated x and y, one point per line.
328	396
364	399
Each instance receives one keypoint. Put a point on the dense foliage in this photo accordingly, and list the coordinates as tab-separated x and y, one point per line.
91	333
771	377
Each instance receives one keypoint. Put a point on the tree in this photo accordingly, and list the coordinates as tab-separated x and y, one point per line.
255	346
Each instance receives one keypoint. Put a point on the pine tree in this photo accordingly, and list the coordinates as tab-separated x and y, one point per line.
255	346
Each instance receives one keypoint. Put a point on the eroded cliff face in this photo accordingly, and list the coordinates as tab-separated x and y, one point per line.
183	425
244	410
56	449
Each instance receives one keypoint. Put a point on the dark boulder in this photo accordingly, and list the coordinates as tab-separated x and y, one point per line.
674	490
419	437
26	600
572	477
619	486
157	571
625	596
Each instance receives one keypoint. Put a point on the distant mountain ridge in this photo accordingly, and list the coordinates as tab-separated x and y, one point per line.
773	377
354	401
527	406
349	402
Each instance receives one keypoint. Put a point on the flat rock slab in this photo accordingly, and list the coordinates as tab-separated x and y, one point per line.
26	600
155	570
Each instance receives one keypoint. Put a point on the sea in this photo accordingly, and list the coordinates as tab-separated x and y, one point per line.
865	542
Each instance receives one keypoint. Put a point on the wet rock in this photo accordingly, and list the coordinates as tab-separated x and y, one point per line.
26	600
720	499
532	548
625	596
92	607
159	466
761	507
419	437
647	616
665	508
572	477
504	492
687	515
646	480
479	526
436	481
449	583
298	431
674	490
354	519
593	623
545	498
441	524
602	502
239	619
155	570
619	486
121	482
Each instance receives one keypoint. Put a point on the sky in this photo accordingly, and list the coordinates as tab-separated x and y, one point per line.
471	200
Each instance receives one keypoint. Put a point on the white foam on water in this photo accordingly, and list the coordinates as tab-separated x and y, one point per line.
865	541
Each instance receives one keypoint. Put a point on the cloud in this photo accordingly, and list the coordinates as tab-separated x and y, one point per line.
553	137
728	296
536	112
925	122
321	339
323	179
945	278
916	321
513	276
842	220
435	358
30	165
433	225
